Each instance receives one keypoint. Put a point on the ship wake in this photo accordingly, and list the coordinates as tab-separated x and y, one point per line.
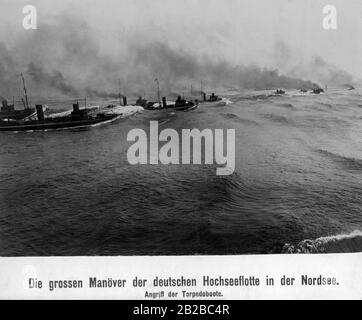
341	243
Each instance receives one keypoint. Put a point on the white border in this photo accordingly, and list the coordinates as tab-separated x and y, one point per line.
14	274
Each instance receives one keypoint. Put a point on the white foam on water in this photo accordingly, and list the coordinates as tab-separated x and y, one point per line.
124	110
226	101
34	115
160	106
353	234
344	242
68	112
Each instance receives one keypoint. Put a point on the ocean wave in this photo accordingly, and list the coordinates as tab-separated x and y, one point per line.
125	110
328	105
253	97
224	102
348	162
278	119
286	105
236	118
341	243
68	112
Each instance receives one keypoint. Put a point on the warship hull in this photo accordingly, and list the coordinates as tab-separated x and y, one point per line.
17	114
55	124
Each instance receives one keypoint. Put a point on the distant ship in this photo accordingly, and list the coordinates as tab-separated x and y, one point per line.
279	91
184	105
181	104
349	87
213	97
141	102
77	119
317	90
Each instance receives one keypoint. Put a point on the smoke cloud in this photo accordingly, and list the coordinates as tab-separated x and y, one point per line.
65	58
315	68
321	71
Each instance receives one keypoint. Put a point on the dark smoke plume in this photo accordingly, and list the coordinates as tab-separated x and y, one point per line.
53	79
321	71
316	68
64	58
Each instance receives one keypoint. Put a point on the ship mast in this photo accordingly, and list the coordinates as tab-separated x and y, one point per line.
158	92
26	102
119	91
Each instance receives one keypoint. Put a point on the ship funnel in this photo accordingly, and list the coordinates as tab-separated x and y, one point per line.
164	103
124	100
76	107
40	112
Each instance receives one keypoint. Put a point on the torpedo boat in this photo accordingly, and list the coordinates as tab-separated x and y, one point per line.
184	105
317	91
279	92
77	119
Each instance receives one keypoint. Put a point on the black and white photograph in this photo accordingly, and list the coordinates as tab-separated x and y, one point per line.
180	128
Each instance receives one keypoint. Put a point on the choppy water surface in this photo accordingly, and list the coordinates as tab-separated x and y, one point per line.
296	187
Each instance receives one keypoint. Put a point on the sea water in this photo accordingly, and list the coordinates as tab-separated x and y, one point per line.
296	186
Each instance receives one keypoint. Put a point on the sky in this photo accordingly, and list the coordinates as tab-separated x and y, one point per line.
281	34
